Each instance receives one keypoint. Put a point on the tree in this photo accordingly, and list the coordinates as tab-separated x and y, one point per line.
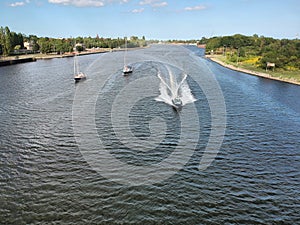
16	39
213	44
5	40
79	48
2	38
33	39
7	45
284	53
45	46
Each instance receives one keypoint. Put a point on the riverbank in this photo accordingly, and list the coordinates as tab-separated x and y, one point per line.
16	61
217	59
11	60
38	56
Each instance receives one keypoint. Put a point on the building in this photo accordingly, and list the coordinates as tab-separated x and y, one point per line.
28	45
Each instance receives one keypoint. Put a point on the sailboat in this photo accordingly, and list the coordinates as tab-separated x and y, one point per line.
78	76
126	69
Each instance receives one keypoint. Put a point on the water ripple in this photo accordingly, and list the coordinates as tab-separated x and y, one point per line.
45	180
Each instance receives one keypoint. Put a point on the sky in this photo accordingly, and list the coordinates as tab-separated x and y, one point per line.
154	19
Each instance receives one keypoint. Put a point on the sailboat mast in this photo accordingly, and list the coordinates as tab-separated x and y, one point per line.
125	51
75	64
75	60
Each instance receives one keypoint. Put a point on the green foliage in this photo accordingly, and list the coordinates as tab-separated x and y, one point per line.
17	47
45	45
12	41
79	48
284	53
213	44
5	40
17	39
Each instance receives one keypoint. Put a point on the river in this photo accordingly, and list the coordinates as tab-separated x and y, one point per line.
103	151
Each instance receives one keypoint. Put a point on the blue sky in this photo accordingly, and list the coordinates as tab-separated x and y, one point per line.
154	19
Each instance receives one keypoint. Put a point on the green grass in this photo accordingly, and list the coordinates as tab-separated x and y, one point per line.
290	75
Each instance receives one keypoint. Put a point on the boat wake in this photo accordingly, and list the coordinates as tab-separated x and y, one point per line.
174	89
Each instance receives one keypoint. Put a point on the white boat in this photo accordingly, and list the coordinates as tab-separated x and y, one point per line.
126	69
78	76
173	90
177	103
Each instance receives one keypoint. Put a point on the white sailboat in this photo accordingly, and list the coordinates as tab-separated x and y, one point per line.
126	69
78	75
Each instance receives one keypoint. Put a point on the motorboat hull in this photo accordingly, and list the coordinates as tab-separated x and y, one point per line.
77	79
177	103
127	70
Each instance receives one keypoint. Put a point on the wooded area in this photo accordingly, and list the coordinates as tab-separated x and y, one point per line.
11	43
255	50
285	53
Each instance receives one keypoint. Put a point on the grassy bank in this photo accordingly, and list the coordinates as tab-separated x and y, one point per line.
249	66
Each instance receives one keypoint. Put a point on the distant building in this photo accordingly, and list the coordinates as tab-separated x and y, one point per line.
28	45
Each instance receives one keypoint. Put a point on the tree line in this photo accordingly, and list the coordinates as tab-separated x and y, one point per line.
285	53
10	40
11	43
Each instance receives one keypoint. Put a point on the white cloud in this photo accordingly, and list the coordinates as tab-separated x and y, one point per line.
85	3
194	8
16	4
147	2
160	4
138	10
153	3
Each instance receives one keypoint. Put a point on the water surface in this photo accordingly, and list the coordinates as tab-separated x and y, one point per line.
45	179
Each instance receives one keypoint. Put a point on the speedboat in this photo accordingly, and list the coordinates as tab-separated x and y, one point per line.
177	103
79	76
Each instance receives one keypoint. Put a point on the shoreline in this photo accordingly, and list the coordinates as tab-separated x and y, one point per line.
12	60
16	61
250	72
